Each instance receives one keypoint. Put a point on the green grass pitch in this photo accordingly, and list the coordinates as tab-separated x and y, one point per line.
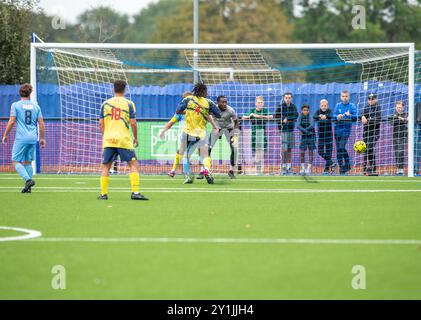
252	238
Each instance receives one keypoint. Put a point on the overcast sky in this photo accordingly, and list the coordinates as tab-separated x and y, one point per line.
70	9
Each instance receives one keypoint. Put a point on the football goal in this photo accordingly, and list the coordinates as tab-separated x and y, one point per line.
371	90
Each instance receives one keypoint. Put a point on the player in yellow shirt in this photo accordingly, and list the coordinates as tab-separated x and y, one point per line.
182	145
118	114
197	109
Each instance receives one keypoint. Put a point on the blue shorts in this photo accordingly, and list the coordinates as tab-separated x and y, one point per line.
23	152
110	155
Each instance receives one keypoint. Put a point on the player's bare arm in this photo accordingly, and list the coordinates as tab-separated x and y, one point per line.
41	125
133	124
9	128
101	125
168	126
213	123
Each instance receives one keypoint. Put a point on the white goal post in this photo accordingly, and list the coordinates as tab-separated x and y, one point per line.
358	53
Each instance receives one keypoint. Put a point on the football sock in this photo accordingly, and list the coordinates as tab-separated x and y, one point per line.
29	170
135	181
22	172
176	161
105	181
207	162
202	168
186	166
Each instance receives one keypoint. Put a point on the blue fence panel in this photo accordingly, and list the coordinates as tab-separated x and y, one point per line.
161	102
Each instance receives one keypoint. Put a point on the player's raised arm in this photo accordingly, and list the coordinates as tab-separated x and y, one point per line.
214	109
182	106
168	126
213	123
176	118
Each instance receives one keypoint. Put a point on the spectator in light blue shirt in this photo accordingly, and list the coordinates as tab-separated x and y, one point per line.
27	115
346	115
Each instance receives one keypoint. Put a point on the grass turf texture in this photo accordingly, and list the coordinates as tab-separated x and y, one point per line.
65	210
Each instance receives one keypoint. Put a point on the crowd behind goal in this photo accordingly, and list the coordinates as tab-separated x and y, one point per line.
325	131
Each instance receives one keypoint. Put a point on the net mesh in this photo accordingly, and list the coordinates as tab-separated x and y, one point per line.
85	78
73	83
384	128
241	76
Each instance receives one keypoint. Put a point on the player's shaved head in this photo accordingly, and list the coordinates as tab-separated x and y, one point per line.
222	102
120	86
220	98
25	90
186	94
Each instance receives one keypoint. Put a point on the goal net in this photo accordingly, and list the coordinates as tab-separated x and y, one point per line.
74	80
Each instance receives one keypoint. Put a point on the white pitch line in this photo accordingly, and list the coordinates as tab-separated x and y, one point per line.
271	179
232	241
28	234
203	190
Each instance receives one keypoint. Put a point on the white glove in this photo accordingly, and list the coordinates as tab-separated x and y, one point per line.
234	140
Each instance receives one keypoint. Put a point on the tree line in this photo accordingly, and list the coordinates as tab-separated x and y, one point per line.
221	21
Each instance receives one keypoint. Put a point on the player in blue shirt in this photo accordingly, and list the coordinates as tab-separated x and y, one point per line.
345	115
27	115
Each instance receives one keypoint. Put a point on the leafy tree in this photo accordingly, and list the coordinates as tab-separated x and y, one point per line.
101	24
14	40
331	21
145	23
224	21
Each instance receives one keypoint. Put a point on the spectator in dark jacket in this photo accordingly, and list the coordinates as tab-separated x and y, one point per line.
400	135
286	115
323	117
308	138
371	119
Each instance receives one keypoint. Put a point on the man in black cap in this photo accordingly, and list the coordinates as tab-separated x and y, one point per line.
371	119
